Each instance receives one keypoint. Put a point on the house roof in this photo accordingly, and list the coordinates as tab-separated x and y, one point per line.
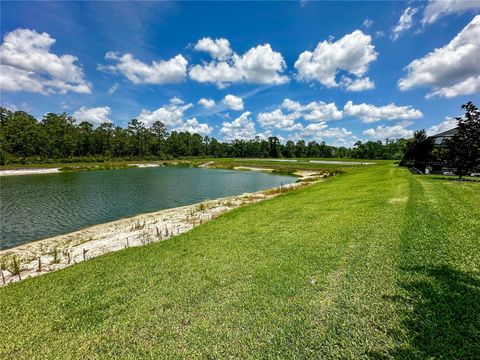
439	140
448	133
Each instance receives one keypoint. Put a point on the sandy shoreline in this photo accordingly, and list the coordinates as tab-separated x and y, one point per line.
139	230
29	171
38	171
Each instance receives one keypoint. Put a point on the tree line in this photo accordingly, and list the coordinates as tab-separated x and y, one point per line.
58	137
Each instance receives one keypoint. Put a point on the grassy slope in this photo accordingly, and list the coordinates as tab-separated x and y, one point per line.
376	262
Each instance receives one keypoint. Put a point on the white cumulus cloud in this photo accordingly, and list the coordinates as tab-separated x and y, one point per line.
337	136
367	23
447	124
27	64
193	126
206	103
279	120
171	114
240	128
221	74
404	23
438	9
369	113
233	102
318	111
382	132
286	116
360	84
468	86
218	49
451	70
352	53
315	129
259	65
95	116
112	89
292	105
315	111
173	70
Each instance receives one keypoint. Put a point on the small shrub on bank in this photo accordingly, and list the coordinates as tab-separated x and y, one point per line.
56	258
15	266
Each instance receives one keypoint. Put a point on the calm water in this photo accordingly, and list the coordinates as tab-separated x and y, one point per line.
33	207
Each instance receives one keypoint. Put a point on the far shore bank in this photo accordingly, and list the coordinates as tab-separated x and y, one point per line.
55	253
54	170
32	171
279	164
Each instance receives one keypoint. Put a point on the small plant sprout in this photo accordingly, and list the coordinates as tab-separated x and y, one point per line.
139	226
15	267
3	264
56	258
68	254
39	269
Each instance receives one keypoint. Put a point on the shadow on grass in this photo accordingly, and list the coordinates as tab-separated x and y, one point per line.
444	317
453	179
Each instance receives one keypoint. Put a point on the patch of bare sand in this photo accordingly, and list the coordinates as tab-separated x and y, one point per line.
251	168
28	171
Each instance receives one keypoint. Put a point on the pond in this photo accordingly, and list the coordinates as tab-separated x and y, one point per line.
34	207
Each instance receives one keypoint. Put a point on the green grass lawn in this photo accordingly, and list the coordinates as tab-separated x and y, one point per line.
375	262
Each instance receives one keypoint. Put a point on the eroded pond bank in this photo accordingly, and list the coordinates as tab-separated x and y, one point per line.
41	206
40	257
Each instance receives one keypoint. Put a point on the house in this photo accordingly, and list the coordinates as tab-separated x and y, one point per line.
436	163
440	140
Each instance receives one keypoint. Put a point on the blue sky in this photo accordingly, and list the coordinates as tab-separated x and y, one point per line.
328	71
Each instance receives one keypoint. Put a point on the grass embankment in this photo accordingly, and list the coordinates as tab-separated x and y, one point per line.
376	262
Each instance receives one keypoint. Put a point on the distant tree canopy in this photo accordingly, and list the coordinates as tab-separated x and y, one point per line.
463	150
58	137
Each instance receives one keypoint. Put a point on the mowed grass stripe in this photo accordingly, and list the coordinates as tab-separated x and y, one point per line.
440	277
322	272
